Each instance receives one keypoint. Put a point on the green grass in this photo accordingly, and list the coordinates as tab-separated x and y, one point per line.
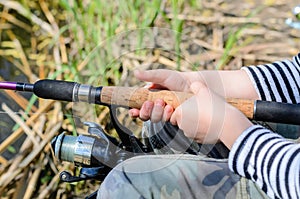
94	27
90	28
231	44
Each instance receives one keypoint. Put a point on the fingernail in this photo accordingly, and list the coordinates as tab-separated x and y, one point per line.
159	102
148	106
169	108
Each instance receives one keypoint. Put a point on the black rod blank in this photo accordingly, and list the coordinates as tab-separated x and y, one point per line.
277	112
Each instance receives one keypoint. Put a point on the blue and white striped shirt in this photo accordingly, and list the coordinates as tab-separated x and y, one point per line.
261	155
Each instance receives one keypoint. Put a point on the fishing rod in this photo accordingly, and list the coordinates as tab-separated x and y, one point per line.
134	98
97	152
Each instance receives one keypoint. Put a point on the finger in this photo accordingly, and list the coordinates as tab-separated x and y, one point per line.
155	76
168	110
134	113
164	79
145	111
158	110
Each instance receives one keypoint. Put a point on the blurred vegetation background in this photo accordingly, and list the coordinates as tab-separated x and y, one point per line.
101	42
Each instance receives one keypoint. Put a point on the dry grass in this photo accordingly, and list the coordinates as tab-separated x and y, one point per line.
55	39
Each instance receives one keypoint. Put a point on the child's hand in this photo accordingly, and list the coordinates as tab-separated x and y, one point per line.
160	79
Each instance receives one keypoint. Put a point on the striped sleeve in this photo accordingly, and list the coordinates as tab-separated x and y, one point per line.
269	160
279	81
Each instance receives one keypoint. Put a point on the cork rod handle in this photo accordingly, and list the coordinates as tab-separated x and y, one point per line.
135	97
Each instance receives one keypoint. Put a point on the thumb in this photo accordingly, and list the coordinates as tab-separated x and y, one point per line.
196	87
